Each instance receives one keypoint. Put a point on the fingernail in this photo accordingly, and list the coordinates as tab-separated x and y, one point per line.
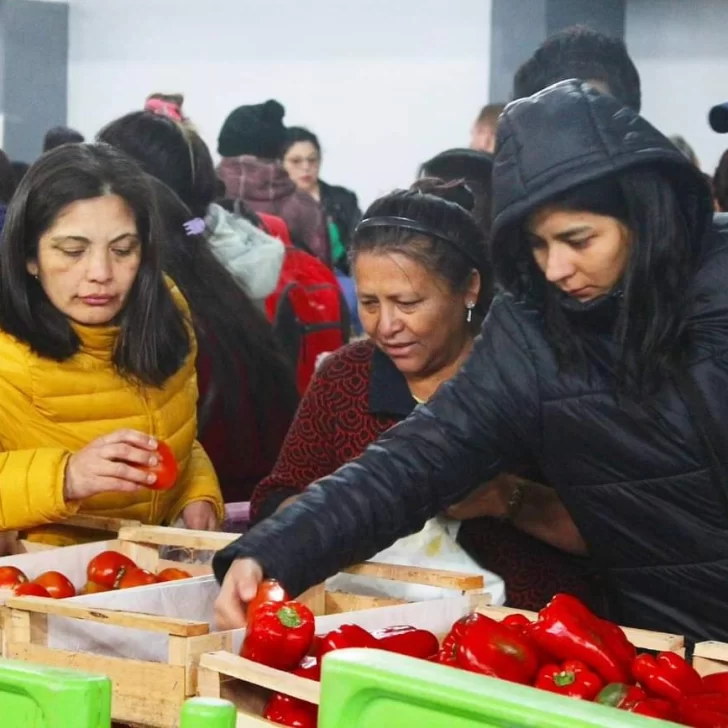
153	461
152	442
151	478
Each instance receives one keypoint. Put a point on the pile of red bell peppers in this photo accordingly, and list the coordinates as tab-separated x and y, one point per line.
567	650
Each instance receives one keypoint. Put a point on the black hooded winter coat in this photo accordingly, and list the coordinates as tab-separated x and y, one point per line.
635	477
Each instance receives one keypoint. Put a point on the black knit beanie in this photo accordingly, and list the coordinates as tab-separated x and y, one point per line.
256	130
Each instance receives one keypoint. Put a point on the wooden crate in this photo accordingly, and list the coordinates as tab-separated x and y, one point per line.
142	544
150	693
248	684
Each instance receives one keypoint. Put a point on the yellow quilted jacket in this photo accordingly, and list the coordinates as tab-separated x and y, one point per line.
49	410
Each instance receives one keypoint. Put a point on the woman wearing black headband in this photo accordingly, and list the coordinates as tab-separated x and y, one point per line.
423	284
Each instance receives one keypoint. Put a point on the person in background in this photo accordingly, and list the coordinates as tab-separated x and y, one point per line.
169	105
419	261
301	158
472	167
19	170
96	354
580	52
7	185
249	143
681	143
247	390
720	184
176	155
482	135
59	135
604	361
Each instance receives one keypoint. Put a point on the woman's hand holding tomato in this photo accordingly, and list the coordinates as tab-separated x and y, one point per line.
117	462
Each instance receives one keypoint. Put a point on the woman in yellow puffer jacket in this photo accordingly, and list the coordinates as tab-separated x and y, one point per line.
96	354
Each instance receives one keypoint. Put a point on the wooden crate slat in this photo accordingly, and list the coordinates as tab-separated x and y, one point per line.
135	620
179	537
262	675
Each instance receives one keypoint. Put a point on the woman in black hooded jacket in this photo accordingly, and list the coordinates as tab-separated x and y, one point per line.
604	362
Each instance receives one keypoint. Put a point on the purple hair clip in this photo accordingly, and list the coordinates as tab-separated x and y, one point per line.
195	226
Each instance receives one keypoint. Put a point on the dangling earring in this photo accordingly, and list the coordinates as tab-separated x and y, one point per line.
470	305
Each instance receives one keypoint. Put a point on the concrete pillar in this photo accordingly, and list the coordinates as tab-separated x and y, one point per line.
33	73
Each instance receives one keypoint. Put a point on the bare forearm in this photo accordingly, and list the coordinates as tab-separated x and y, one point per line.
543	516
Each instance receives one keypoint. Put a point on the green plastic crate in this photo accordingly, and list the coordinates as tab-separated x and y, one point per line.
372	689
208	713
45	697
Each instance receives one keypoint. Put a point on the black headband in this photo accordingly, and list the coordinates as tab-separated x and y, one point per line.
406	223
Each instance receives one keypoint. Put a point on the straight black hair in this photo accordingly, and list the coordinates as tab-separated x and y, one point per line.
441	206
580	52
153	341
171	152
227	323
223	312
59	135
650	326
295	134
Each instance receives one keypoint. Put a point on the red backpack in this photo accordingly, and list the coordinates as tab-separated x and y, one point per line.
308	312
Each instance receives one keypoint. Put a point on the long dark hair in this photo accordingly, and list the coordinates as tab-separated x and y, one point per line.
295	134
651	296
227	323
171	152
222	310
153	341
440	206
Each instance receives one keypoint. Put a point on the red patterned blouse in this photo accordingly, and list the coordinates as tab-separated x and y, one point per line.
356	395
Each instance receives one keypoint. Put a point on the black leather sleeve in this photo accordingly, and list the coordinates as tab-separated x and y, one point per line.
486	416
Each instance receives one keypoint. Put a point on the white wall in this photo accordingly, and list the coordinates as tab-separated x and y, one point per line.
384	83
680	48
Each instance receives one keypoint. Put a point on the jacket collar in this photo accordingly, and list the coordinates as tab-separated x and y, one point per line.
388	390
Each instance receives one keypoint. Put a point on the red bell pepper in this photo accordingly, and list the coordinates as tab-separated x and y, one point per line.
279	635
452	640
487	647
567	629
407	641
667	676
288	711
709	710
516	621
621	696
310	668
716	683
654	708
348	635
572	679
444	658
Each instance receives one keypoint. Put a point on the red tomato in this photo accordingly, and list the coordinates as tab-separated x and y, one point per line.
91	587
173	574
269	590
136	577
10	577
29	589
166	468
108	567
57	585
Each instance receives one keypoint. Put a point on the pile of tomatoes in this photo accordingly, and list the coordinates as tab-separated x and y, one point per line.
107	571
